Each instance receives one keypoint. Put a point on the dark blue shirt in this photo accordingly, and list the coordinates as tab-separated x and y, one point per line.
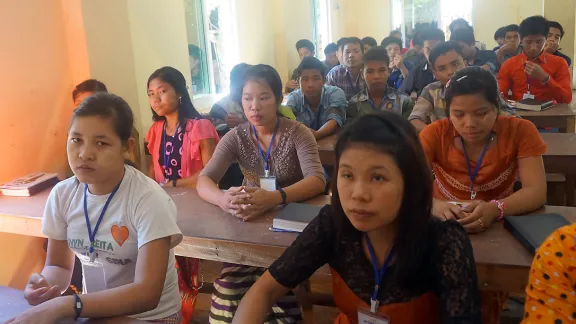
396	78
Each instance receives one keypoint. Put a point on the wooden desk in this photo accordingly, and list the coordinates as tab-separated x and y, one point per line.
12	303
560	116
211	234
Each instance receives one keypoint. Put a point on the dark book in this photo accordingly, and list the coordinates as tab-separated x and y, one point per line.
29	185
534	105
532	230
295	217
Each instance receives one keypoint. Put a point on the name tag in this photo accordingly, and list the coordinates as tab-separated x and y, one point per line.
528	95
366	317
94	279
268	183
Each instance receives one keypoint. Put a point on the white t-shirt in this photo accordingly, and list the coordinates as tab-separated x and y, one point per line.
140	212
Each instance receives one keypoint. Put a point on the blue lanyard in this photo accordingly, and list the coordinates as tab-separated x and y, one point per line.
378	272
267	155
92	234
474	174
167	158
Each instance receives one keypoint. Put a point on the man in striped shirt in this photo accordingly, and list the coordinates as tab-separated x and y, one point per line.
348	76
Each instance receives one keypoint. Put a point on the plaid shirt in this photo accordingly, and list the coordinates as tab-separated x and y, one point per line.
393	100
340	77
332	107
431	105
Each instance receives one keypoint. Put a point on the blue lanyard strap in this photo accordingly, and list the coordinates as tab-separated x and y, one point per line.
379	273
266	156
92	234
474	174
167	158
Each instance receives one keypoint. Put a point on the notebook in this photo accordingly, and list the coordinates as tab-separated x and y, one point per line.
532	230
29	185
534	105
295	217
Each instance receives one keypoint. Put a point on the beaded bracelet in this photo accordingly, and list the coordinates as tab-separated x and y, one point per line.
500	206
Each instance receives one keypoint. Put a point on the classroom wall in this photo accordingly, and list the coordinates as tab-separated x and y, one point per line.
486	19
563	11
37	80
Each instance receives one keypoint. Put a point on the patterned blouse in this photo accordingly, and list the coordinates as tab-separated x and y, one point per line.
293	158
516	138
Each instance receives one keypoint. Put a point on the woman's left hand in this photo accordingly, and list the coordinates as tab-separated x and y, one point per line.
479	216
48	312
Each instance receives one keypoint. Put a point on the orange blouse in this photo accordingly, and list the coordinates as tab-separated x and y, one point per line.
516	139
551	290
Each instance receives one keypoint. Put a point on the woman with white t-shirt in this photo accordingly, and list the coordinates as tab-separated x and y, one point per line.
119	222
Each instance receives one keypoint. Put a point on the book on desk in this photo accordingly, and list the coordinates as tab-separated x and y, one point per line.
532	104
532	230
29	185
295	217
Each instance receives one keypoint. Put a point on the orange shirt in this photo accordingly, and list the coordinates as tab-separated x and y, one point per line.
516	138
551	290
512	77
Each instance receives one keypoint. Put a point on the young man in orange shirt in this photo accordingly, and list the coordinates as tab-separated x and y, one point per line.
535	74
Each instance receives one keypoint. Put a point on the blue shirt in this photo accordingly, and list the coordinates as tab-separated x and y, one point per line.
332	107
340	77
396	78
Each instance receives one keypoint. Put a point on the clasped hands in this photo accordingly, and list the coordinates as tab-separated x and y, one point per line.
247	203
476	216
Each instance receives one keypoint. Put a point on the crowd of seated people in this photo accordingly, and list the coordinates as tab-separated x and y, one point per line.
425	127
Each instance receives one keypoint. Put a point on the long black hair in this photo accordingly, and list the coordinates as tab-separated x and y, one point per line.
394	135
473	80
176	79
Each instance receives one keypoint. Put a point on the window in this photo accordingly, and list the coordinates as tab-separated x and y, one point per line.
321	22
212	44
408	15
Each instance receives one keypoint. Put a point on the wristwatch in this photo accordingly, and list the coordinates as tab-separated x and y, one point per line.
77	307
546	81
283	194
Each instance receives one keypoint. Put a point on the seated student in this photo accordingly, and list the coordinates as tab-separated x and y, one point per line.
463	24
197	71
535	74
180	143
128	259
369	42
319	106
400	69
422	75
472	55
512	47
331	53
377	90
91	86
500	38
348	76
477	155
550	293
305	48
386	256
555	35
415	55
398	34
445	59
228	109
340	44
280	162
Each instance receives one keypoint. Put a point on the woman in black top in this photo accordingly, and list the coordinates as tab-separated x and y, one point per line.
379	229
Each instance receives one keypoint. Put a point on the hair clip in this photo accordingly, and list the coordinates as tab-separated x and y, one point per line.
462	78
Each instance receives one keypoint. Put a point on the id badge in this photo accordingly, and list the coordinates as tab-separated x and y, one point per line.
268	183
367	317
528	95
94	278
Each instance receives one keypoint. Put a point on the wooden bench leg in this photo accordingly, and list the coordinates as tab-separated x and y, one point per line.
570	186
307	306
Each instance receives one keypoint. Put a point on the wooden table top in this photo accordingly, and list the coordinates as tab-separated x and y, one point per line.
559	110
210	233
12	303
560	144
